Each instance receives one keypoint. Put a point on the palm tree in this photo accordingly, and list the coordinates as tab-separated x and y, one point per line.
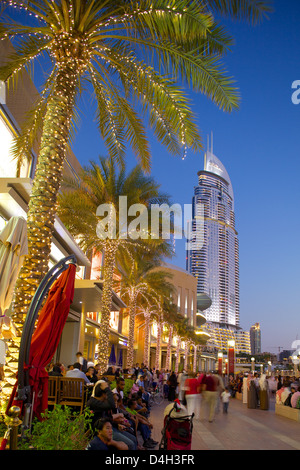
101	185
161	316
141	282
251	10
160	325
110	46
183	332
160	290
171	317
148	311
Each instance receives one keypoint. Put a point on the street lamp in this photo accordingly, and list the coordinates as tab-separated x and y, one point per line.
295	362
269	367
252	364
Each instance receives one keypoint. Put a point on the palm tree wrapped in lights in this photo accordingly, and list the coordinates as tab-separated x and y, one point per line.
183	332
148	311
171	316
111	46
142	282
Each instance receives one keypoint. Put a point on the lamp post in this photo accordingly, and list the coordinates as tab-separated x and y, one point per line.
252	364
269	367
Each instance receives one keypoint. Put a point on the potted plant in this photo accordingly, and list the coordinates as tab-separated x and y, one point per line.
60	429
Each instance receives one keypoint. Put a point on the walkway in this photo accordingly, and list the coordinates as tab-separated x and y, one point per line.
241	429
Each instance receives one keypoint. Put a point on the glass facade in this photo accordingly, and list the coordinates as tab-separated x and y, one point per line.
216	263
255	339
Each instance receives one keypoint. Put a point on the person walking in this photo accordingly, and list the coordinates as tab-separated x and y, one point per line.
192	395
219	384
182	376
210	395
172	383
225	396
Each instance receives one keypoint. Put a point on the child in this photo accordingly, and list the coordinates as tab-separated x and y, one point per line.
225	399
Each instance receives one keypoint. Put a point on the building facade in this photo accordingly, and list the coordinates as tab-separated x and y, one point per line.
213	255
255	338
185	298
215	263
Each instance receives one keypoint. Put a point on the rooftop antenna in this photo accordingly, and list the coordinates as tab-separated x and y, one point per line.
212	142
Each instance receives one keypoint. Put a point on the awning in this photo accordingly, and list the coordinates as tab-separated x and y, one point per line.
88	296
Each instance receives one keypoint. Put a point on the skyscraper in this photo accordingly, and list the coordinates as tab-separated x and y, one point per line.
215	262
255	339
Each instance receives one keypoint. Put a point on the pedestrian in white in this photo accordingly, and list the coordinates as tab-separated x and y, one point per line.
225	396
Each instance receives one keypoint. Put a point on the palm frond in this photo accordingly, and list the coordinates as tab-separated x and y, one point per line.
252	11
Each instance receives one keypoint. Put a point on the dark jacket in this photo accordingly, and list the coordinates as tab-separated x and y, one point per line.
101	408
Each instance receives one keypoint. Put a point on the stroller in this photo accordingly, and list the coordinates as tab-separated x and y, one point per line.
177	431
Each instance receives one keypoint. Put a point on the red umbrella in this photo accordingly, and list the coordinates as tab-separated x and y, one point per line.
46	337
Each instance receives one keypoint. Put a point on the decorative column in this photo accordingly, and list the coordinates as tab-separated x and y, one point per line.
220	363
231	357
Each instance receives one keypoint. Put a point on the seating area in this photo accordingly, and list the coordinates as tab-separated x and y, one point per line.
67	391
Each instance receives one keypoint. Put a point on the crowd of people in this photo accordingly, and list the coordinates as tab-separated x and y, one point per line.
120	421
123	420
288	391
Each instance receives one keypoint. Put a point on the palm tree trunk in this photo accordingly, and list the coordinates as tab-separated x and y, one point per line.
42	205
177	356
186	353
147	336
130	349
168	358
195	358
108	273
47	179
158	344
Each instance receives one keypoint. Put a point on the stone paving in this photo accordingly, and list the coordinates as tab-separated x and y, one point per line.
241	429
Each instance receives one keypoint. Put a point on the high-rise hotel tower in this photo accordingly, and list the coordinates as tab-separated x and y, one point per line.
215	261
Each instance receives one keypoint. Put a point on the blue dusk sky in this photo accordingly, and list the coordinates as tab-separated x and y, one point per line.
259	147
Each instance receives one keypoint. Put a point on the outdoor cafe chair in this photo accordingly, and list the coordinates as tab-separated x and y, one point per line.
71	392
53	390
